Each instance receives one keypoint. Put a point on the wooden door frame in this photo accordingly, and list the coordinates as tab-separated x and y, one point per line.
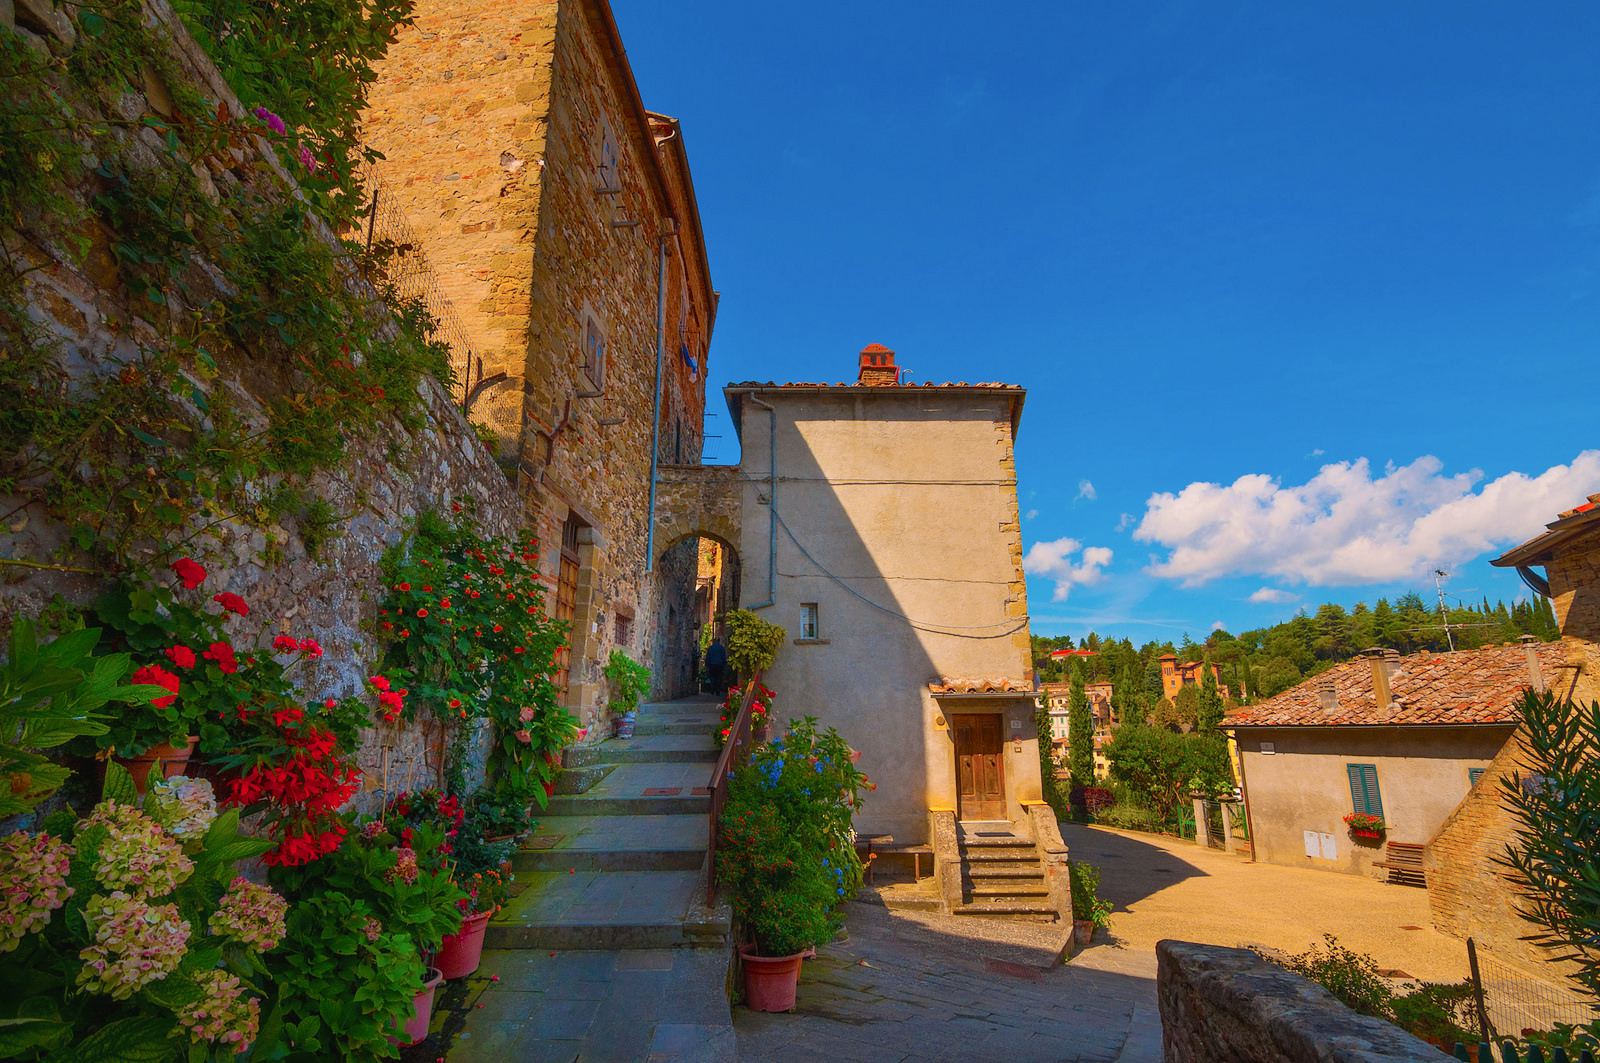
1000	761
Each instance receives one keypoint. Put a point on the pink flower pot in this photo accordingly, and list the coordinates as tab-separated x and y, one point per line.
770	981
170	758
1082	932
462	951
416	1027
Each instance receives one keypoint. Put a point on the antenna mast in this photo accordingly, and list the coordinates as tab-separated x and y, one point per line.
1439	576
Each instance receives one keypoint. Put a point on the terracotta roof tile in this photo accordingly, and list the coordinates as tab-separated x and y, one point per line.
947	685
1466	687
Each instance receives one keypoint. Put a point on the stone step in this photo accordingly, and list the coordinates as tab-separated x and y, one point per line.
993	871
590	805
580	780
1001	859
609	910
661	749
1012	890
569	860
1035	913
666	726
979	841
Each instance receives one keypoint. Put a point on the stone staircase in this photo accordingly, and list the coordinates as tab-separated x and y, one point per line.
1002	875
619	857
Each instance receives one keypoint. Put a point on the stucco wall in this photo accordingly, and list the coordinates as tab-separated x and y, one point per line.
909	500
1304	785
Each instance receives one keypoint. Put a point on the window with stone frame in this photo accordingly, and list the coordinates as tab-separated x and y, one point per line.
623	630
593	350
808	620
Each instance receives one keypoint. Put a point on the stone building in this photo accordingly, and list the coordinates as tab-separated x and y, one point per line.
1058	700
1468	894
1402	738
878	524
1176	674
560	218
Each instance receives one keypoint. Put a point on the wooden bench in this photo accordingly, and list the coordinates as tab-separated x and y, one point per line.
1404	864
876	845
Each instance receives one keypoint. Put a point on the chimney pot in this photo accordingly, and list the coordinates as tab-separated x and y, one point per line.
1379	664
1531	655
877	366
1328	696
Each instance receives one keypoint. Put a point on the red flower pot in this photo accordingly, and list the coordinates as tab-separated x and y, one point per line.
416	1027
1362	833
462	951
171	758
770	981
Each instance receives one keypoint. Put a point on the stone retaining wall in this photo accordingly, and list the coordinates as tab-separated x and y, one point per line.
1221	1005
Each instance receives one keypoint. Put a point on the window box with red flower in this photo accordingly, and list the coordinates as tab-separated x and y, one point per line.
1365	825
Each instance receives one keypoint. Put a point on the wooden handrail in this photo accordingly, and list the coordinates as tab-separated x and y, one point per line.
735	751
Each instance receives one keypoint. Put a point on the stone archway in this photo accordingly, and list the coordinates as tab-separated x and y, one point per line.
699	500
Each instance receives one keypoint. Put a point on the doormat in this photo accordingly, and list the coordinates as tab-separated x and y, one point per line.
663	791
543	841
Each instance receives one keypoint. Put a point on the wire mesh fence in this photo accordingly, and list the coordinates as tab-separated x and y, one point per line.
1514	1001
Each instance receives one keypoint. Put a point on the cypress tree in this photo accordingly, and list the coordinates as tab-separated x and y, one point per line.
1080	731
1210	714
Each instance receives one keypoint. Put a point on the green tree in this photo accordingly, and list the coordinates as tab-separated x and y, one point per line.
1187	703
1080	731
1153	690
1162	767
1164	716
1209	714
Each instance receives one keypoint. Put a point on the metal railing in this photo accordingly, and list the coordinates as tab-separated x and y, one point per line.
735	752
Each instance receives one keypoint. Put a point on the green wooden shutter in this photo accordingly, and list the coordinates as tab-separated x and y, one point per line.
1474	774
1364	796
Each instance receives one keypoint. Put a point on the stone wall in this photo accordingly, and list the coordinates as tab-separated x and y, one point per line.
388	476
1575	593
555	208
1221	1005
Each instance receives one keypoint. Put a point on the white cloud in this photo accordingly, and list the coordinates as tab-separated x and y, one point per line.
1053	561
1317	453
1128	520
1345	527
1085	490
1031	514
1273	595
1217	625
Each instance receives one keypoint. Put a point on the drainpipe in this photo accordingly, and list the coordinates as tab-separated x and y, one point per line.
655	428
772	504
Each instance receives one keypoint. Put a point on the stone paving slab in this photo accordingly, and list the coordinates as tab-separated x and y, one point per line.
903	989
655	1006
622	897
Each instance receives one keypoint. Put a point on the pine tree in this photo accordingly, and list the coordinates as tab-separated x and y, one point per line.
1080	731
1210	714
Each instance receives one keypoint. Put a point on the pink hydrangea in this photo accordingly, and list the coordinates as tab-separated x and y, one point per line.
33	883
135	943
184	806
372	928
223	1014
136	855
251	914
405	868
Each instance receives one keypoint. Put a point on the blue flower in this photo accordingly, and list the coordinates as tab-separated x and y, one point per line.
819	769
841	891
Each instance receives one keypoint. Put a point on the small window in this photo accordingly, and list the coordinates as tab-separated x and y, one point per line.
594	351
808	620
1364	796
1474	774
624	629
608	174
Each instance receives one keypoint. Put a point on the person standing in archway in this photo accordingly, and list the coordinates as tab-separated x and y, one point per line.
717	666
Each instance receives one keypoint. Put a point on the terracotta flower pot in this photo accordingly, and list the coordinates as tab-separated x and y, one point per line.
770	981
462	951
416	1027
171	758
759	735
1082	932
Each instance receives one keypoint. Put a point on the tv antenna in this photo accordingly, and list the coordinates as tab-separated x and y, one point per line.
1439	576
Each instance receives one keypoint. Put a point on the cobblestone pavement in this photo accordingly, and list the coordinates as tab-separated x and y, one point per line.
910	987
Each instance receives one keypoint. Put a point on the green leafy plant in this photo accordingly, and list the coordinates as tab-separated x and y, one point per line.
1080	730
1430	1010
50	695
786	850
1162	768
1437	1012
630	681
1086	902
1555	860
130	937
752	642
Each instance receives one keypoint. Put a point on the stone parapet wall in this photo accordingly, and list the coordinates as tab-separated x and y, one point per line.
387	476
1221	1005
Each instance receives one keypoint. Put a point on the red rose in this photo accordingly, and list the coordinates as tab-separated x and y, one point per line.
157	676
182	656
232	603
189	572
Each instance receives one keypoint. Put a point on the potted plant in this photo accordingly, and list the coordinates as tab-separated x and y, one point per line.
786	854
1088	910
760	714
1365	825
630	681
752	642
461	952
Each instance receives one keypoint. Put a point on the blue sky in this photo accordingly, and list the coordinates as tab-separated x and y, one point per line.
1213	241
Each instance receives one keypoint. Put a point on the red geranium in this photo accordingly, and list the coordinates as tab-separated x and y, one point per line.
285	644
182	656
189	571
155	675
232	603
222	653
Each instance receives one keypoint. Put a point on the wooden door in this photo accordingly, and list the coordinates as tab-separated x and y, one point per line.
980	778
566	604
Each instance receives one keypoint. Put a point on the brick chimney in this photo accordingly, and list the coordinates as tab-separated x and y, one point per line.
877	366
1328	695
1380	675
1535	677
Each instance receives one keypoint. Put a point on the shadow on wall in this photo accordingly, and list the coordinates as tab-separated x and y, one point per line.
1130	869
